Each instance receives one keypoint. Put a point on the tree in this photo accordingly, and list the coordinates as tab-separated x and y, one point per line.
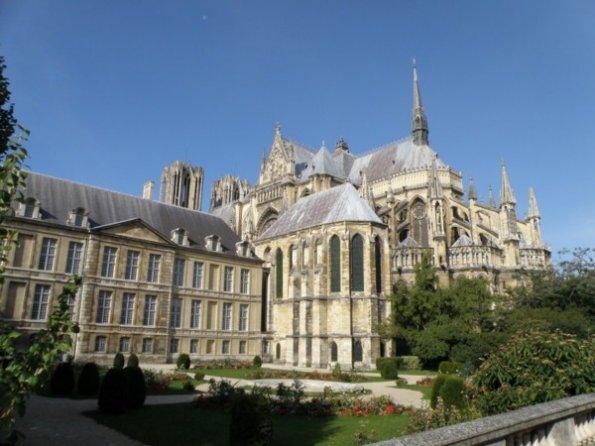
23	368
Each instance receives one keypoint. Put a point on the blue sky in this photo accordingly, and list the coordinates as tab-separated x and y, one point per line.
113	91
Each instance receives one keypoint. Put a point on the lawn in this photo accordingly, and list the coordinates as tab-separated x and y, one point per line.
425	390
196	426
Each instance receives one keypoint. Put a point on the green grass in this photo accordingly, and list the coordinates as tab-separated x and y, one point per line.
425	390
211	427
430	373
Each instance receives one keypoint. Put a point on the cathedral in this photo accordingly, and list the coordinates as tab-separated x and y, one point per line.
297	268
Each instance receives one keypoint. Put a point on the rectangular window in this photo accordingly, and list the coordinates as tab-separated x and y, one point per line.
210	346
176	313
225	347
197	275
178	278
149	310
70	304
243	317
108	268
153	271
243	347
194	346
127	314
103	307
213	277
73	261
131	272
40	302
99	343
244	281
226	320
22	253
147	345
195	311
124	344
173	345
48	252
228	279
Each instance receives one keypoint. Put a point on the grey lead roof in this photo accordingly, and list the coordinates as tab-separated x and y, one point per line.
58	197
337	204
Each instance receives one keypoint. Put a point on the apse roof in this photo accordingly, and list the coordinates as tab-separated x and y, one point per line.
337	204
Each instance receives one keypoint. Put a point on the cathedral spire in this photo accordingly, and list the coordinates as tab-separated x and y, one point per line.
472	191
506	193
434	186
419	123
491	201
533	210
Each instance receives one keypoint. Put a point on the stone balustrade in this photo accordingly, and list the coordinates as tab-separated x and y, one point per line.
533	258
565	422
474	256
408	257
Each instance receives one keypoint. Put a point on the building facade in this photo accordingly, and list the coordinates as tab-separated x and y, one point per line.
181	185
158	279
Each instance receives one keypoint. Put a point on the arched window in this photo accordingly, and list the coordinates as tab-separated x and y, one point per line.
278	351
358	354
357	263
378	263
279	276
335	253
334	352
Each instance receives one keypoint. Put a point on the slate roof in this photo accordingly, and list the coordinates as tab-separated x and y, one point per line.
58	197
337	204
323	164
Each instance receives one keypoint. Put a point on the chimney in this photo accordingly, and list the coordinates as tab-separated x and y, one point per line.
148	190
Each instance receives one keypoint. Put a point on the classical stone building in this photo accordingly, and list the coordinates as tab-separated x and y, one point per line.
157	279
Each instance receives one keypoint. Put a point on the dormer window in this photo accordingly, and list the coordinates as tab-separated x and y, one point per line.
30	208
180	237
243	249
78	217
213	243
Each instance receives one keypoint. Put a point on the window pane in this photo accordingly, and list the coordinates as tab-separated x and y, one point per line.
48	252
127	314
103	307
176	313
178	279
109	262
197	275
357	263
195	314
40	302
244	281
74	257
149	310
243	317
132	265
228	279
226	322
335	264
153	271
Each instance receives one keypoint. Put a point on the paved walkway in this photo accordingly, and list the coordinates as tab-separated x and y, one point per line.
58	421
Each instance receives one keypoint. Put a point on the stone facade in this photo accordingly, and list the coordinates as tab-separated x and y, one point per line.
154	292
181	185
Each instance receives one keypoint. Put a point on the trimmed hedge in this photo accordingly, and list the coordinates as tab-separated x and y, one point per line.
257	361
183	361
113	393
132	361
119	361
449	367
388	367
452	391
250	423
88	383
410	363
137	387
62	382
438	383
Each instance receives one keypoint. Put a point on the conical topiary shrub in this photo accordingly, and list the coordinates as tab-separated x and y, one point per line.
137	387
113	393
119	361
132	361
88	383
62	382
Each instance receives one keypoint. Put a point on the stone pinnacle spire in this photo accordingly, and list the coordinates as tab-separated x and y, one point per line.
434	186
365	192
419	123
472	191
533	208
506	193
491	201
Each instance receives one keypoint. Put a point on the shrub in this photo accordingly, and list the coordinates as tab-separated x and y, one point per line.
257	361
438	383
88	383
188	386
113	393
183	361
119	361
433	418
251	423
337	371
389	370
62	382
534	367
132	361
381	361
452	391
410	363
137	387
199	376
449	368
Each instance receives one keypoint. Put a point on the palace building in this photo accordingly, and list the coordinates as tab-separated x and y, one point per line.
297	267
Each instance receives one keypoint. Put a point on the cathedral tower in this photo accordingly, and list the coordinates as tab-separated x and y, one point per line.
181	185
419	123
